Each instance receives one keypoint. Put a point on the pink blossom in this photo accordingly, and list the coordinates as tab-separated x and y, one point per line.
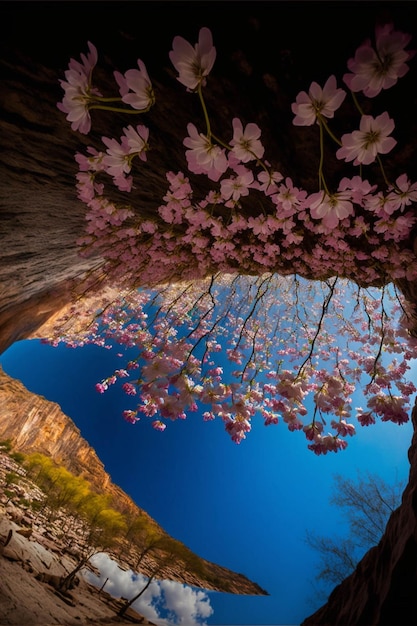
158	425
136	88
131	416
93	163
330	209
365	419
121	373
289	199
267	182
363	145
88	62
402	195
129	389
360	189
79	92
137	140
374	70
246	143
326	444
236	186
193	64
343	428
318	102
203	157
117	161
313	431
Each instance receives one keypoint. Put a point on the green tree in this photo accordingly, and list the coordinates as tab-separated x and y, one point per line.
166	554
103	528
11	478
6	445
19	457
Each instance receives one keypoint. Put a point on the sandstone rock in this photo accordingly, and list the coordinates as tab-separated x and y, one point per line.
35	424
30	553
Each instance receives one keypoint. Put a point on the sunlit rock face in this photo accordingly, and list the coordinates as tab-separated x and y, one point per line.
35	424
382	589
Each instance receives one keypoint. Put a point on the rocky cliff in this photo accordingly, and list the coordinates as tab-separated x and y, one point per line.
382	589
35	424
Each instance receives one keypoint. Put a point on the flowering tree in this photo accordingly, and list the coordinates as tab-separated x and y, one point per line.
245	293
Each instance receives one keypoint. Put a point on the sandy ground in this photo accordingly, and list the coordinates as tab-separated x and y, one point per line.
25	601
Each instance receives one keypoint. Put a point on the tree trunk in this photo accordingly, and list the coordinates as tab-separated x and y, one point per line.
128	604
67	582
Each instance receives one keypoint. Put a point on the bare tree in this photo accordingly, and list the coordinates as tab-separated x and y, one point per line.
367	503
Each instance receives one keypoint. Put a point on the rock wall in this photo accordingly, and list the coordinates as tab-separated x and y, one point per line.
382	589
35	424
257	75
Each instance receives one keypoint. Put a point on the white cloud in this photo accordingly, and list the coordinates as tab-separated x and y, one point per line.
162	601
187	604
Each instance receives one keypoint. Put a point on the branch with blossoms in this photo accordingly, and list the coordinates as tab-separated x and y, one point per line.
209	277
233	365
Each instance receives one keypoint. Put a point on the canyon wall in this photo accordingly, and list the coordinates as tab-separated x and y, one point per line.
35	424
382	589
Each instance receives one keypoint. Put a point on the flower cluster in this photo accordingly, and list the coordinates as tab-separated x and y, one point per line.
356	233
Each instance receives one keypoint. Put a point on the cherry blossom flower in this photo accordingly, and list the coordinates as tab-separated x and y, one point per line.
313	431
136	88
237	186
131	416
137	140
365	418
117	161
79	92
129	389
91	163
203	157
317	102
246	143
380	68
193	64
359	232
404	194
372	138
343	428
267	182
331	209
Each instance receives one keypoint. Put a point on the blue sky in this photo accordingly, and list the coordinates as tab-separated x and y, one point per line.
245	507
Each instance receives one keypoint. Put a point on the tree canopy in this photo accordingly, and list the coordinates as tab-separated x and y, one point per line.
243	291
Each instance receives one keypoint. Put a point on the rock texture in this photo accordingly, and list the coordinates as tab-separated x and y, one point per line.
256	76
28	594
382	589
35	424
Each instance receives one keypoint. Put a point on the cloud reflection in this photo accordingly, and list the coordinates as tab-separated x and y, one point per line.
166	602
